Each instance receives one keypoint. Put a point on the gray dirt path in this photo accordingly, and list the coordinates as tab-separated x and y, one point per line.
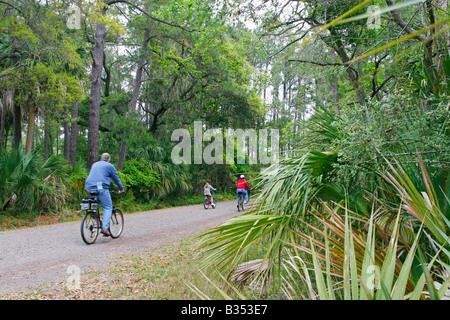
38	255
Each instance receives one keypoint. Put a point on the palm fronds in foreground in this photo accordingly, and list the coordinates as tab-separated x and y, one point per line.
334	252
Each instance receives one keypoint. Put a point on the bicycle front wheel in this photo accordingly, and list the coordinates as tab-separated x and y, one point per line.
89	228
206	204
116	224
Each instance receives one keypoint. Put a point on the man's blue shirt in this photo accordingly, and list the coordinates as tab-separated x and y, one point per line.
102	171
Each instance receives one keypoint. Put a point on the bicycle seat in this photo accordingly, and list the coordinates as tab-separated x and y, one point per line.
93	193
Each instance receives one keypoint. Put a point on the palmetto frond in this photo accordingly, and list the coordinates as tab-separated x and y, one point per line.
35	183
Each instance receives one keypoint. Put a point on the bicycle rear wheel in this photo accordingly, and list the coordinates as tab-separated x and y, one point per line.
241	203
89	228
116	224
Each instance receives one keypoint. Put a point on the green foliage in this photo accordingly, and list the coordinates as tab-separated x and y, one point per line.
140	179
331	203
29	183
78	178
392	128
363	120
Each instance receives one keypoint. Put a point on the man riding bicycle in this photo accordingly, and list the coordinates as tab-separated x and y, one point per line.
242	188
98	182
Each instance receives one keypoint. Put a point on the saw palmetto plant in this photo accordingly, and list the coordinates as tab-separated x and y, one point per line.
333	251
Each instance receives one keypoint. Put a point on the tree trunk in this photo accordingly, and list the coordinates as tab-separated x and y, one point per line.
140	67
122	154
66	133
107	79
353	76
3	118
335	90
17	124
134	97
96	91
428	52
30	129
47	147
425	39
74	134
441	41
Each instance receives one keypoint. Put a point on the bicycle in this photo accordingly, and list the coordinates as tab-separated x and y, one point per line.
241	204
91	224
207	203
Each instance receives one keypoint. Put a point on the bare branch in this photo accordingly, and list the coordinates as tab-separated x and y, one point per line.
403	24
12	6
9	55
148	14
316	63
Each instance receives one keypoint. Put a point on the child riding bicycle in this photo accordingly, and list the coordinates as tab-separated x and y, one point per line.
207	190
242	188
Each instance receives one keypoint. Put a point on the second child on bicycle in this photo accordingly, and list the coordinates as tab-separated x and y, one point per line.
207	190
98	182
242	188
